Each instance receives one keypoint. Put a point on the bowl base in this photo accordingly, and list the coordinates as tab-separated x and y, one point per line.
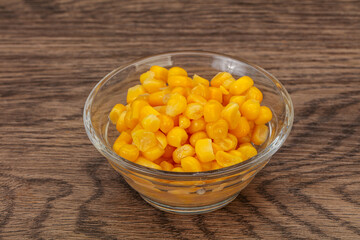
190	210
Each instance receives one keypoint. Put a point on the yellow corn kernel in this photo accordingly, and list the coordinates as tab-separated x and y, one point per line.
166	123
148	110
156	98
168	151
161	73
176	105
223	90
254	93
146	163
124	138
160	109
130	122
215	165
216	148
151	123
136	108
242	129
225	159
201	90
178	81
265	115
196	125
215	94
115	113
153	85
227	83
177	137
237	153
184	122
194	111
185	150
191	164
144	140
212	110
241	85
226	99
238	99
137	127
144	97
162	139
129	152
228	143
250	109
193	98
220	78
198	79
120	124
166	166
206	166
204	150
181	90
147	75
134	92
247	150
191	83
218	129
245	139
153	153
231	114
177	169
260	134
196	136
177	71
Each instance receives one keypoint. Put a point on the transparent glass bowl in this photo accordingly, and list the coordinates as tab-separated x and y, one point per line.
186	193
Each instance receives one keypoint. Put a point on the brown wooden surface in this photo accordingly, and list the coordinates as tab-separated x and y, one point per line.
55	185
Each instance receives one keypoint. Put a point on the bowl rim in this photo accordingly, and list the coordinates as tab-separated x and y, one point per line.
190	176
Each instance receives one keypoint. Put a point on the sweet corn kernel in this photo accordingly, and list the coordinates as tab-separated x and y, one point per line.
144	97
184	122
198	79
215	94
137	127
206	166
177	71
260	134
153	153
220	78
226	99
136	109
177	169
177	137
148	110
134	92
146	163
196	136
115	113
196	125
194	111
246	139
161	109
185	150
215	165
231	114
193	98
265	115
147	75
191	164
129	121
212	110
178	81
162	139
181	90
237	153
166	123
254	93
151	123
218	129
144	140
166	166
227	83
242	129
241	85
120	124
161	73
238	99
204	150
124	138
168	151
153	85
176	105
129	152
216	148
223	90
156	98
228	143
201	90
225	159
250	109
247	150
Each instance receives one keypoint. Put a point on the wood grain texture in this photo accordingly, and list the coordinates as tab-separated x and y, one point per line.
55	185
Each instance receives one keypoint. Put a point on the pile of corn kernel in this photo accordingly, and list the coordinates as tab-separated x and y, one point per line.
176	123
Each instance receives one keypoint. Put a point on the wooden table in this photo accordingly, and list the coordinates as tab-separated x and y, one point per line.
55	185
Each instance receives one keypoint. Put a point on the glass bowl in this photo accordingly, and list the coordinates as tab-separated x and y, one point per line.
188	192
